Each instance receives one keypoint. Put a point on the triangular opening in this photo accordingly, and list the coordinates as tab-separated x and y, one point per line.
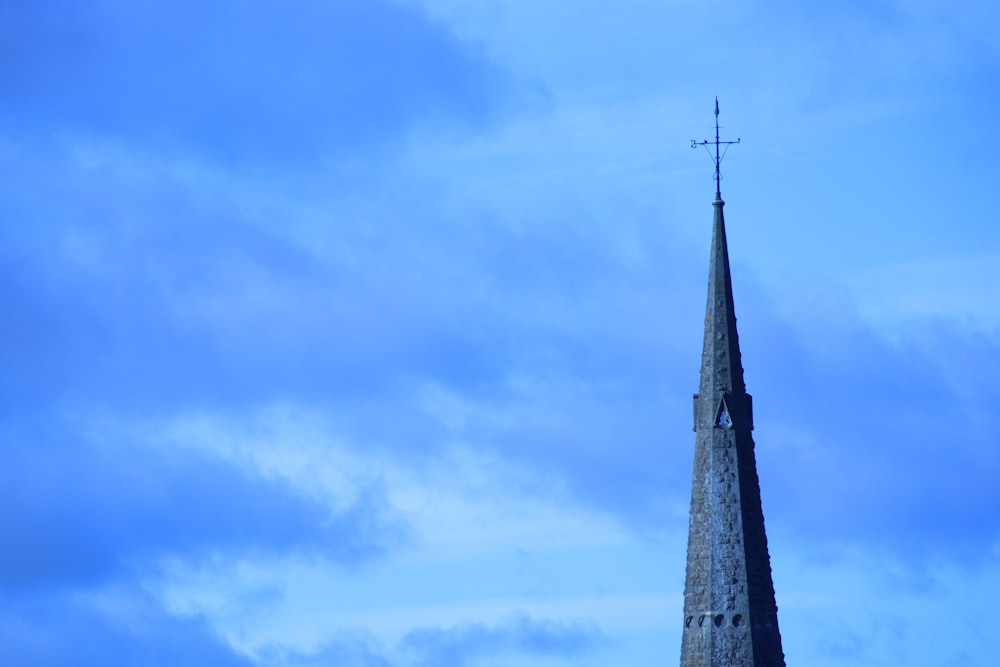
723	421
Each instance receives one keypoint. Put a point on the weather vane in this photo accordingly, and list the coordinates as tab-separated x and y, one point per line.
718	157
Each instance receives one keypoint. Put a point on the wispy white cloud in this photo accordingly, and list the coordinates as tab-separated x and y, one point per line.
942	291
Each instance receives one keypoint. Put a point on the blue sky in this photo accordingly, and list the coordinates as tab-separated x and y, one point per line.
363	332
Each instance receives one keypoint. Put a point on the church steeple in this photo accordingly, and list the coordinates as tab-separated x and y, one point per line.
730	615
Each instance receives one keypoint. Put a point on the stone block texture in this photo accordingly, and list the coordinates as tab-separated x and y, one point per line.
730	614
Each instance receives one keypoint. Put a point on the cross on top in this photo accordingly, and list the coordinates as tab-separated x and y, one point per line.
718	157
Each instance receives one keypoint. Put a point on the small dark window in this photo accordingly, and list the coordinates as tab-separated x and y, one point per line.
719	620
737	620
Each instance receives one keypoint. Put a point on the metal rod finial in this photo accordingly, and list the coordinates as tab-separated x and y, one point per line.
719	154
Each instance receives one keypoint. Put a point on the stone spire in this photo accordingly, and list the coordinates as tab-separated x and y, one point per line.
730	615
